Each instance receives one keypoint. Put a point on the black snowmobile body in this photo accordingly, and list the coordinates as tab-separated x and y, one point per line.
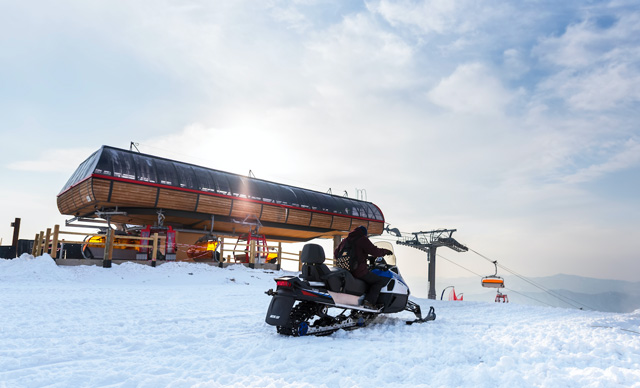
301	305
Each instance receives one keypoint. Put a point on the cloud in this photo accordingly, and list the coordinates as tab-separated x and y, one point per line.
357	55
623	156
433	16
271	153
471	88
597	65
56	160
291	16
515	64
610	86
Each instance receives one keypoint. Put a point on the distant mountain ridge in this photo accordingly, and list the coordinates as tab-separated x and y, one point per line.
561	290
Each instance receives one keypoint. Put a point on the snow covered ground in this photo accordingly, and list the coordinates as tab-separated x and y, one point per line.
193	325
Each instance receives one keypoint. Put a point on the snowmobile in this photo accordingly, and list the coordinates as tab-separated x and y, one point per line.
303	305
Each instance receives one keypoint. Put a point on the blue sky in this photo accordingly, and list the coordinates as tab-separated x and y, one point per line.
515	122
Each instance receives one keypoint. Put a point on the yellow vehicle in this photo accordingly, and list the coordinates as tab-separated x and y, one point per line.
93	247
204	249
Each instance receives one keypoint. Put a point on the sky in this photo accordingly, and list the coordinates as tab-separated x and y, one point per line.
514	122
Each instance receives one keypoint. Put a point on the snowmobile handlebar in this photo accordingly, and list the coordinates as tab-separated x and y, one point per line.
378	263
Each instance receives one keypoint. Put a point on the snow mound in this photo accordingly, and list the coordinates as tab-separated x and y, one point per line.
29	268
195	325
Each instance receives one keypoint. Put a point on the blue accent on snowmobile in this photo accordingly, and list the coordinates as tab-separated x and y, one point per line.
384	274
303	328
390	274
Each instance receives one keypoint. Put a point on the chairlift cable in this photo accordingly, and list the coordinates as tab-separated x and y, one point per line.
527	296
453	262
550	292
554	294
562	298
506	288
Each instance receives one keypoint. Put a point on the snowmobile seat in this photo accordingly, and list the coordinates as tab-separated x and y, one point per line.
337	279
312	254
314	272
313	267
341	280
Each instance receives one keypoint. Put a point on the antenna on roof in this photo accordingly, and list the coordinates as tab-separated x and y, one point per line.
251	174
361	194
134	145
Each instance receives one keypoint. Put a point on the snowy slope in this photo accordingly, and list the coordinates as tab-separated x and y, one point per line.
192	325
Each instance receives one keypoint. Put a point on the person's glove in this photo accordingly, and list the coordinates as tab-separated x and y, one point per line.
388	252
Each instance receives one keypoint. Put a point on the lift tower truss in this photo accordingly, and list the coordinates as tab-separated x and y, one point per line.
429	242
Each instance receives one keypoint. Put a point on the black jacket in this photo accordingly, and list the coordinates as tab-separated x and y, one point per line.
363	247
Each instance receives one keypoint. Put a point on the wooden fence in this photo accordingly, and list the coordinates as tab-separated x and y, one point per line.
49	240
255	254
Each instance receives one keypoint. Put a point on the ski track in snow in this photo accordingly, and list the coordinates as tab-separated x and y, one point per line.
194	325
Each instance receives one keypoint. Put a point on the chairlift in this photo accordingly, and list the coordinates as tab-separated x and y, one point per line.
500	297
493	281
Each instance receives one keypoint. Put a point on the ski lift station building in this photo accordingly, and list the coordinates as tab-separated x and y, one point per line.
134	187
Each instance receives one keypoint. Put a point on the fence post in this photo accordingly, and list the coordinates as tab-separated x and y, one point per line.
279	260
108	244
40	244
112	241
221	243
16	236
34	249
54	243
252	254
47	236
36	244
154	254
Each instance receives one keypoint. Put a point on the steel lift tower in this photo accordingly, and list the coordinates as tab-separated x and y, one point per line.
429	242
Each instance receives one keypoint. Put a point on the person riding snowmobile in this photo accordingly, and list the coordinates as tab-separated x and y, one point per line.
363	247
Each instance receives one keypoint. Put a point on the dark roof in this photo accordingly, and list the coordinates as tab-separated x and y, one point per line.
123	164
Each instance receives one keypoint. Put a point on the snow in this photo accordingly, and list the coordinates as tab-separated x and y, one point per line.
194	325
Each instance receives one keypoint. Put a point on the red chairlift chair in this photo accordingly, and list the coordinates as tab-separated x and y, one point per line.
262	250
500	297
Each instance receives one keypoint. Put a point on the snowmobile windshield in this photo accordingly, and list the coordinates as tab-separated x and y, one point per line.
390	259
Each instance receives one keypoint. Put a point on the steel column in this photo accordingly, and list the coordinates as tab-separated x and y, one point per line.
432	272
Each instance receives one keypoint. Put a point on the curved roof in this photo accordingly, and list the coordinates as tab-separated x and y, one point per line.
148	169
